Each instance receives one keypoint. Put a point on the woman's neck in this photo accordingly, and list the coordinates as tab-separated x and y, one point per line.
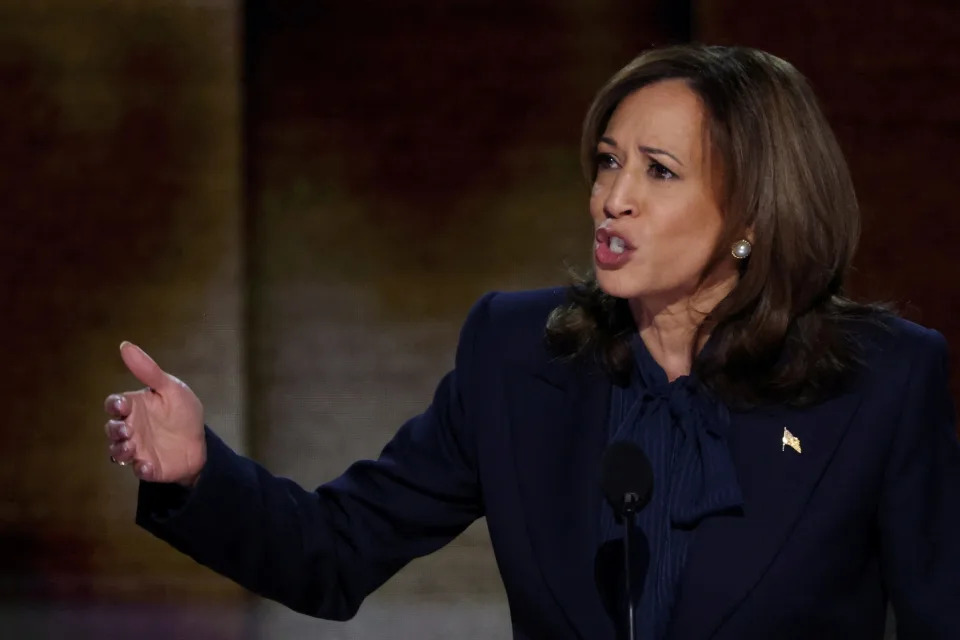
668	325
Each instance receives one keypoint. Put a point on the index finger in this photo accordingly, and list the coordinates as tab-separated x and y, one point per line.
117	405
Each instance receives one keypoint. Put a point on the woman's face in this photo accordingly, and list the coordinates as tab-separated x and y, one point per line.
653	204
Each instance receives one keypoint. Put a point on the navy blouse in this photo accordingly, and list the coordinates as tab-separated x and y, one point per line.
681	428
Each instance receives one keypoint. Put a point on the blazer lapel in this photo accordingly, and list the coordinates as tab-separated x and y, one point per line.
558	415
730	553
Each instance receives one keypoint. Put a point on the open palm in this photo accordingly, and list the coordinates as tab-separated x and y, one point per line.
158	430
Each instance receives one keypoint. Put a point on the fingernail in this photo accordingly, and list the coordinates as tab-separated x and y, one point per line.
123	344
124	430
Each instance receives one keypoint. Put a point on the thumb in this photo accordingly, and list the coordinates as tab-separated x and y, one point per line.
143	366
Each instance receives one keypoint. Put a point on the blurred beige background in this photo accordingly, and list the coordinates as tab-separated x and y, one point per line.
292	204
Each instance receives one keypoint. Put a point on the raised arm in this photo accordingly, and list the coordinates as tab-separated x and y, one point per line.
321	552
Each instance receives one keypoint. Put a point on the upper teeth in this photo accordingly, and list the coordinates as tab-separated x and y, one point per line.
617	245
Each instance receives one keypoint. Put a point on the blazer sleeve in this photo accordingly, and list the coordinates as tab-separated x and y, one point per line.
920	504
322	552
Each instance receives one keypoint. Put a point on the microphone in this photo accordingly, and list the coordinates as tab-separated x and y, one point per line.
626	479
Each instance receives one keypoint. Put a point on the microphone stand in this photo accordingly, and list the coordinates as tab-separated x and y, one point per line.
630	501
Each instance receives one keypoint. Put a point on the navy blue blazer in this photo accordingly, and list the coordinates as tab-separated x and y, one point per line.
868	513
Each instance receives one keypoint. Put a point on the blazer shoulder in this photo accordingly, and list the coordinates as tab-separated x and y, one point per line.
525	306
517	310
891	341
893	353
515	321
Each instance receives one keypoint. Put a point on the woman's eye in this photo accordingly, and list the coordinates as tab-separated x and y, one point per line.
605	161
660	172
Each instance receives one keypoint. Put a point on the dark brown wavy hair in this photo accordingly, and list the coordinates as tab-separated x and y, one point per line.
785	333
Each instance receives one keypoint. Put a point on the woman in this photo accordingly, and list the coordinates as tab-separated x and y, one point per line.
806	467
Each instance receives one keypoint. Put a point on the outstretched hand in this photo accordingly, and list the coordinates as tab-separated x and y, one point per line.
157	430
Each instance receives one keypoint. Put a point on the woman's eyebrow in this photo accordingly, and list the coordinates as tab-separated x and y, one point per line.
610	141
653	151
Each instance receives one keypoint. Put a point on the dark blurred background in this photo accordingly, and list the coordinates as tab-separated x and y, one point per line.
291	204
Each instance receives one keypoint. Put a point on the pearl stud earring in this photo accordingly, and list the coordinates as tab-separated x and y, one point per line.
741	249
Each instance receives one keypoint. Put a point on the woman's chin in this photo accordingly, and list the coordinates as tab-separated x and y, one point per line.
615	284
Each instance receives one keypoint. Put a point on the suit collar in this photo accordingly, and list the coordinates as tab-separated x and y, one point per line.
731	553
558	417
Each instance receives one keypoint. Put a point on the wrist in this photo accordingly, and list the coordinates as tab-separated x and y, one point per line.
190	481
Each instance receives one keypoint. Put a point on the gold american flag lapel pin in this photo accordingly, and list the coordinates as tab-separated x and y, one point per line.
790	440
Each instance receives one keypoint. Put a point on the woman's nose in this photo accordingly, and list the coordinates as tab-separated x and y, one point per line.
615	210
621	199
